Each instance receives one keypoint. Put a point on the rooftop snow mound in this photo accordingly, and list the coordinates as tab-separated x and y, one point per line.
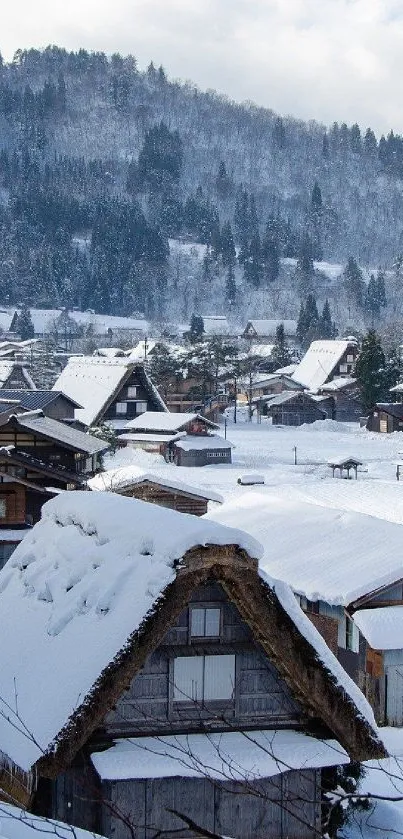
319	362
94	567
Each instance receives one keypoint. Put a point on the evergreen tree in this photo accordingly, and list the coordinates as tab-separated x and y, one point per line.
370	371
355	139
308	322
223	182
325	147
24	325
271	251
280	354
228	255
316	199
327	329
305	268
196	330
253	267
370	144
354	282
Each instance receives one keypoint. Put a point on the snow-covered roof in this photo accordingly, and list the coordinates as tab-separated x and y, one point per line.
59	431
230	755
263	350
8	367
215	325
198	442
267	327
44	321
124	476
324	554
151	437
166	422
8	534
382	628
92	382
19	824
339	383
81	582
319	362
341	461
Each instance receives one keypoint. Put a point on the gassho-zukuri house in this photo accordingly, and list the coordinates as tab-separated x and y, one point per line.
184	439
152	667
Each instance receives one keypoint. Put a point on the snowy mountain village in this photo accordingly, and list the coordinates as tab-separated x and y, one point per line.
201	593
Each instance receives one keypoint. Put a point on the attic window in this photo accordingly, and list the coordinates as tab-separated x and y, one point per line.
121	407
205	622
141	407
132	391
3	508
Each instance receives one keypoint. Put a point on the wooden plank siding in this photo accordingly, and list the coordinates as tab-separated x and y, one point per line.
261	697
165	497
282	807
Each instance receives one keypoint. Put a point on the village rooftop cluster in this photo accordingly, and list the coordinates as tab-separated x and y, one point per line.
204	652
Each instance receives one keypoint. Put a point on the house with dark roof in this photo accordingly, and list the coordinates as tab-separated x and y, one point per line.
165	680
292	407
52	403
51	441
111	390
386	417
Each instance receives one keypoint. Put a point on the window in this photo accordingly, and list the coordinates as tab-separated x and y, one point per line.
343	368
350	359
132	391
3	508
205	622
141	407
121	407
203	678
352	636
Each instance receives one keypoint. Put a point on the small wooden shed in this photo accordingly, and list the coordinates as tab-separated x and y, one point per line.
165	492
386	417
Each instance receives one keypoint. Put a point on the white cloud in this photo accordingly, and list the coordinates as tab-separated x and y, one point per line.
322	59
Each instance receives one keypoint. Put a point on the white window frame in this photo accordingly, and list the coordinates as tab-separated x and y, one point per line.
207	618
121	409
143	409
203	678
132	391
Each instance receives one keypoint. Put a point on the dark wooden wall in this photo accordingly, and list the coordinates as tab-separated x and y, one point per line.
141	396
282	807
261	697
165	497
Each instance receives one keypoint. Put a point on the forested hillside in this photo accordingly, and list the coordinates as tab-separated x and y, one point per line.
101	164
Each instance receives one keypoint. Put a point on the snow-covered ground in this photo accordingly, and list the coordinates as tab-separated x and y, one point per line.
270	451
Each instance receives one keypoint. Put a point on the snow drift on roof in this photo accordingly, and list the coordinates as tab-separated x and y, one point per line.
324	554
91	381
319	362
159	421
19	824
125	476
199	442
382	628
268	327
73	591
236	755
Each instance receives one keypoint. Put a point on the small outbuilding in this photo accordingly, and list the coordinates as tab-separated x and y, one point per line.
344	466
292	408
386	417
166	492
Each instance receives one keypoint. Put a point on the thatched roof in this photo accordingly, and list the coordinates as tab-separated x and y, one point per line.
98	601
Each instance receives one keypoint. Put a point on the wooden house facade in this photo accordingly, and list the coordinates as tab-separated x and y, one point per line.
52	442
213	710
386	417
292	408
53	404
111	390
166	493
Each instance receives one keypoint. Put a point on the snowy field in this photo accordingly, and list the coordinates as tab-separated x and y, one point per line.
270	451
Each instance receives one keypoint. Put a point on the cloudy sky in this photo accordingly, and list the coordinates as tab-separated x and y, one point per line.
315	59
